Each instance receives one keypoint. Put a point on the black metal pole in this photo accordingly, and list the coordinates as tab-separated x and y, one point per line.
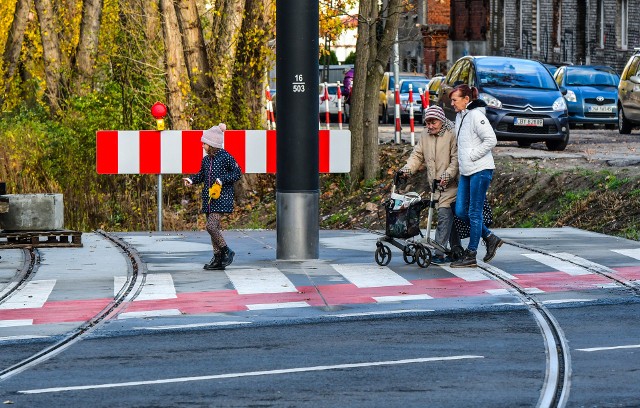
297	180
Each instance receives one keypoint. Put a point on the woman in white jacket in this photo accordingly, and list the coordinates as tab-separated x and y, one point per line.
476	138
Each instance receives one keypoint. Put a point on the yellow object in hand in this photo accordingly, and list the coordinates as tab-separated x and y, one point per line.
214	191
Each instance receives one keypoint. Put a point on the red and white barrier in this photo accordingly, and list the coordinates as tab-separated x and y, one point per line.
180	151
411	122
271	119
339	94
397	111
325	98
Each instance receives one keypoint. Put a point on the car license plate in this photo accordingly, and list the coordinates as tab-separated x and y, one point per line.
528	122
597	108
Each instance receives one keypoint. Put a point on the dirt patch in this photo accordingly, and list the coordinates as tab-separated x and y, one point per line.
593	185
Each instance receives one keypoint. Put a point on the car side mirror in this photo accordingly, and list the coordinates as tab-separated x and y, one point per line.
563	90
635	79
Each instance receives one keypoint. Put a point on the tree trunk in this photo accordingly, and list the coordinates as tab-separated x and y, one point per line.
13	46
373	49
51	53
176	76
87	46
195	50
226	30
153	34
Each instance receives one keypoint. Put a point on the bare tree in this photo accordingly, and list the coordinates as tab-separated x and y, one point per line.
51	53
373	49
194	49
226	28
13	46
176	76
87	45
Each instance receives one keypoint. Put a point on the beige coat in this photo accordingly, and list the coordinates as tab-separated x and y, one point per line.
438	154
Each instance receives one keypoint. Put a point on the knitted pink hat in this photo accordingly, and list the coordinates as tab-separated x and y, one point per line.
214	136
433	112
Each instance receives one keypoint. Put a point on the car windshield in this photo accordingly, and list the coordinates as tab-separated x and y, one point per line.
590	77
510	73
404	85
332	89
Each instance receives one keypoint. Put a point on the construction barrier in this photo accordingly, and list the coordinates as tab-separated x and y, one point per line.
180	151
271	119
397	111
411	119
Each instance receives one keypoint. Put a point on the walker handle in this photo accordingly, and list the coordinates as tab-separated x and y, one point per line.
434	185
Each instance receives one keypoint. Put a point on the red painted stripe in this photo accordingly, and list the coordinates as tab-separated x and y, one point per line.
271	151
149	152
235	143
191	151
323	152
107	152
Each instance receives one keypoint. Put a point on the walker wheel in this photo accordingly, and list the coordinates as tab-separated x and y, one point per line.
383	255
409	253
423	256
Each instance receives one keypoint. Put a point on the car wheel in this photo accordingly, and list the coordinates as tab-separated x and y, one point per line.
524	143
558	145
624	126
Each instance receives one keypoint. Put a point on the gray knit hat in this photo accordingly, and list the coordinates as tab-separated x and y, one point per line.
434	112
214	136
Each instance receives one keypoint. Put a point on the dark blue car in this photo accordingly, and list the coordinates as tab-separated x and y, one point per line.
592	94
524	102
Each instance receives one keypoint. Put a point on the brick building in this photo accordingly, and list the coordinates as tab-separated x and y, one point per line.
602	32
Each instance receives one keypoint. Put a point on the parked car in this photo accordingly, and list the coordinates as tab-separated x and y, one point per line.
592	94
434	86
524	102
629	95
403	86
387	98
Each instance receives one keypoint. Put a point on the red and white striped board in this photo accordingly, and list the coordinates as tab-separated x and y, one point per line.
180	151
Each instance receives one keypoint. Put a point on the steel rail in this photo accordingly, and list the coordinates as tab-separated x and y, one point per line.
136	276
24	275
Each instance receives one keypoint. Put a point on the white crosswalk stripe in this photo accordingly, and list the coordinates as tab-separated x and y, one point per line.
33	295
156	286
467	274
370	276
261	280
631	253
559	264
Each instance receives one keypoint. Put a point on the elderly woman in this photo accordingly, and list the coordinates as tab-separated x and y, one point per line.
476	138
437	151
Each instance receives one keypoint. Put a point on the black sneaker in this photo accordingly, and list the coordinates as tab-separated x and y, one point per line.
492	242
215	264
468	260
227	256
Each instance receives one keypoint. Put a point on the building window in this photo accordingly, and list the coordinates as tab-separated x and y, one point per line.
622	24
600	23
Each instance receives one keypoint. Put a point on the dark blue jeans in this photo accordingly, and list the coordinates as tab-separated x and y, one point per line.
472	191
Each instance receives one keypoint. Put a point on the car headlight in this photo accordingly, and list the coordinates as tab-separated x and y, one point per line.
559	104
490	100
570	96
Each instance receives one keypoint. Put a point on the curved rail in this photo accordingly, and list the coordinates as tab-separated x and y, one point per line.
24	275
135	280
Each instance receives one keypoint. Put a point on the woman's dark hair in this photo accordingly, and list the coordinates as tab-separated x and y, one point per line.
466	90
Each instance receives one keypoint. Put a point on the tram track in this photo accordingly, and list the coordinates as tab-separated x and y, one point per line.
136	276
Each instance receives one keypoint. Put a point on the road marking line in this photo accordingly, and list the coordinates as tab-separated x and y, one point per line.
157	286
261	280
34	295
631	253
584	262
557	301
388	312
533	291
283	305
497	292
383	299
24	337
250	374
190	326
467	274
150	313
559	264
15	323
369	276
631	346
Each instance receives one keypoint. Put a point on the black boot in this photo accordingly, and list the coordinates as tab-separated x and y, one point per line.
215	264
492	242
468	260
227	256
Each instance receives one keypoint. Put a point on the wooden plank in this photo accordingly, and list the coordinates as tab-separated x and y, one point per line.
40	239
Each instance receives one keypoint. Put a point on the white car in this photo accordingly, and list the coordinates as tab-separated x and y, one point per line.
403	86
